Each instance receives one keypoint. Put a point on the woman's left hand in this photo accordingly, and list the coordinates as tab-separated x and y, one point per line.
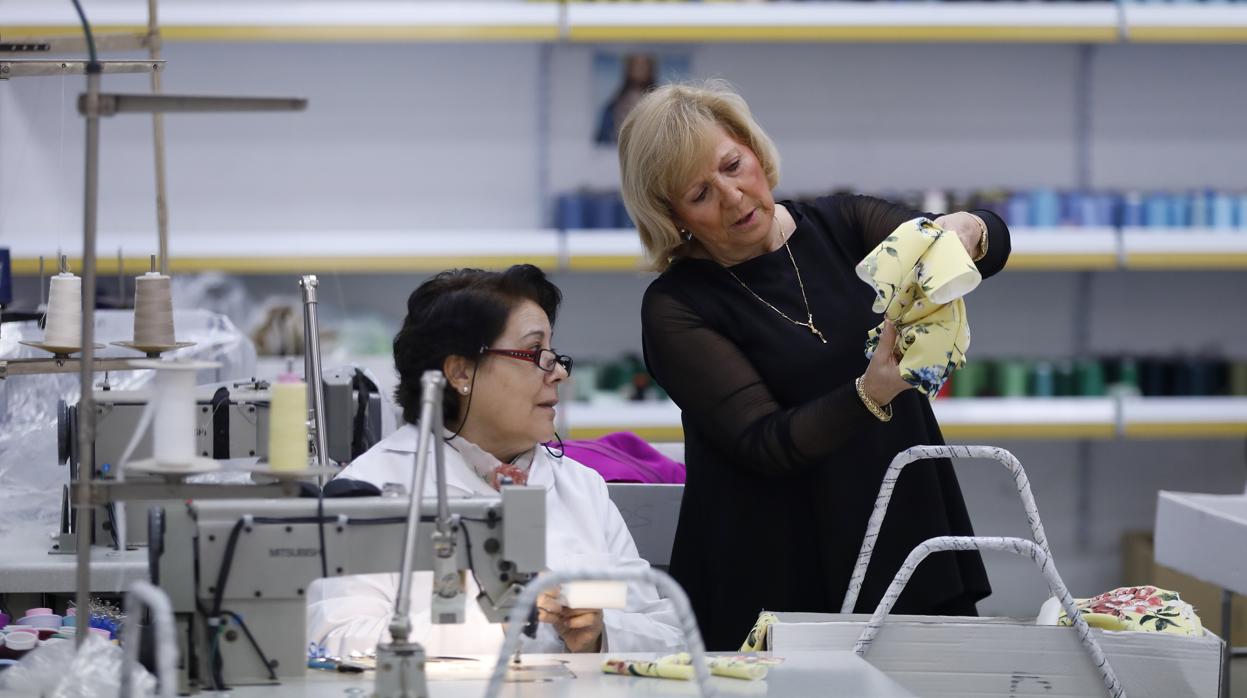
579	628
969	229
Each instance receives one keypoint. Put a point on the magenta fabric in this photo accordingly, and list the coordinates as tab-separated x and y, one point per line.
625	457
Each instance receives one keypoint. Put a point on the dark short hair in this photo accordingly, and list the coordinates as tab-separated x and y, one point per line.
455	314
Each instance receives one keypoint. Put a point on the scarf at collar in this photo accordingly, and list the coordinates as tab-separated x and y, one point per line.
489	468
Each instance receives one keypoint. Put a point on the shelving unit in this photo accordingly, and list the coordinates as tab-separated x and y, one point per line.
615	250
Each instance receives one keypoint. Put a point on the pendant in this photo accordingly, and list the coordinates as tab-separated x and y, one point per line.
814	330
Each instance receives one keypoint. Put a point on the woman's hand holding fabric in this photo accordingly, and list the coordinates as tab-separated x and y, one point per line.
882	380
579	628
969	229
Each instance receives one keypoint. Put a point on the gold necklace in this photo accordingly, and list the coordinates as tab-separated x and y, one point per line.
809	315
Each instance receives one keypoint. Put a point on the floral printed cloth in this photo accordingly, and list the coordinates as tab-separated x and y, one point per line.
756	640
920	273
1138	608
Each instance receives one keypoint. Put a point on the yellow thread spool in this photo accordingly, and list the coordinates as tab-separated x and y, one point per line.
287	427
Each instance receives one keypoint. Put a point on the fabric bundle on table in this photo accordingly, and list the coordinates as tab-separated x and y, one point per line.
680	667
1145	608
920	273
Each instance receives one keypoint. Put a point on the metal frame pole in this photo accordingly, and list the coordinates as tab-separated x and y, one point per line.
86	403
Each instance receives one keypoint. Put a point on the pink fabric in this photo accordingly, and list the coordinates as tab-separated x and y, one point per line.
625	457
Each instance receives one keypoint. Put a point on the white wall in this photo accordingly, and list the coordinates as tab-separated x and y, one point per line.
395	137
445	135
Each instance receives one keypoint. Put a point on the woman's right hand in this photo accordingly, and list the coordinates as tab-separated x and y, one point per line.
882	380
579	628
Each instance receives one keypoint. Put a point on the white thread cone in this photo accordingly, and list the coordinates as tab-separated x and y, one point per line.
153	311
64	320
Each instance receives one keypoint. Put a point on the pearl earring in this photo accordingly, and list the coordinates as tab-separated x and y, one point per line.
464	389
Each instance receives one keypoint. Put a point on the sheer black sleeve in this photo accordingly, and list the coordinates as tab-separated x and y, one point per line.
870	220
721	393
998	243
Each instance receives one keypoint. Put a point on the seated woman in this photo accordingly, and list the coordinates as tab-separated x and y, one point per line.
490	333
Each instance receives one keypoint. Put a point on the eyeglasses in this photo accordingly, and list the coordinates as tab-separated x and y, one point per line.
544	359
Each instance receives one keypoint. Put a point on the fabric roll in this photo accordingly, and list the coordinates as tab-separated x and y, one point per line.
680	667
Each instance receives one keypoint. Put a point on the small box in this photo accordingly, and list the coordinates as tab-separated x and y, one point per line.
955	657
594	595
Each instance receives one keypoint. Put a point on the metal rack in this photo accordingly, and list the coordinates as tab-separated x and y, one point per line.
93	105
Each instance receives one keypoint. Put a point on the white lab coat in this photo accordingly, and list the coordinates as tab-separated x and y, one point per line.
583	527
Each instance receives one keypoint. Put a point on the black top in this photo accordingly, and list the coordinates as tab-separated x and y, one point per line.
784	461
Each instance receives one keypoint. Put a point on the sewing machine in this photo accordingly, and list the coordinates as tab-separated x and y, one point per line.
232	423
256	558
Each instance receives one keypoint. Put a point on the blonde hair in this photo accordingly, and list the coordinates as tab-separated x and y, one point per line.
663	141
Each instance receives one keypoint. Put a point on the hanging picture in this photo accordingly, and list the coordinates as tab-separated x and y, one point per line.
621	78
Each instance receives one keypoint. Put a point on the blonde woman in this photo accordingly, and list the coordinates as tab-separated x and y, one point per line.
756	329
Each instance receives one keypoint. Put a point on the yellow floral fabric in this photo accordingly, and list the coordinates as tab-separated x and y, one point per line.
920	273
756	640
1139	608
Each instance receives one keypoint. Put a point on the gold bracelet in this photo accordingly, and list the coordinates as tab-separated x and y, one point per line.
883	414
982	238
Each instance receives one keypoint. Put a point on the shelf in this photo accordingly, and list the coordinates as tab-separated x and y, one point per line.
316	251
1186	24
1185	417
379	21
370	20
978	419
1149	248
1027	418
1070	248
1063	248
603	250
1059	249
810	21
591	250
652	421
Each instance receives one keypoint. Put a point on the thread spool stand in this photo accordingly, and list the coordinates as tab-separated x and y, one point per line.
174	402
153	308
62	347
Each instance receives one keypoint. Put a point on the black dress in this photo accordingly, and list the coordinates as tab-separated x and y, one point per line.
784	461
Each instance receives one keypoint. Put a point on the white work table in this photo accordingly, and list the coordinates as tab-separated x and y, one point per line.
824	673
1205	536
27	567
